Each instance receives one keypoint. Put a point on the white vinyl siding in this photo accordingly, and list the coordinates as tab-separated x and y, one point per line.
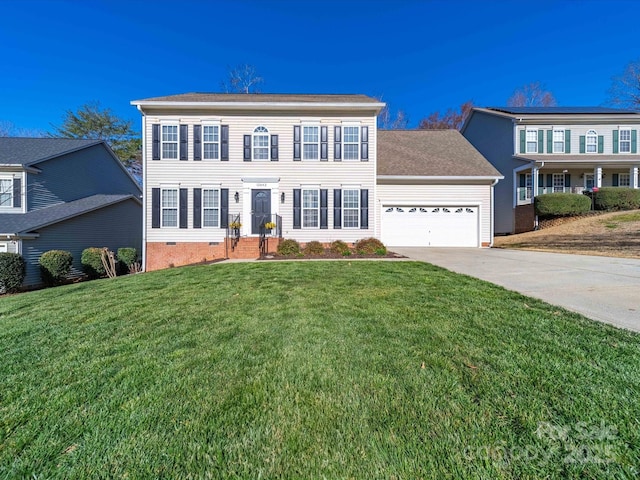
6	192
310	143
169	207
169	142
532	141
310	208
350	142
351	208
558	141
210	207
211	142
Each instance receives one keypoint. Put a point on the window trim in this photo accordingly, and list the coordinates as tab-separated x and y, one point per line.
203	189
534	142
357	143
163	141
303	208
304	143
626	175
164	189
553	182
345	208
9	192
591	134
560	142
260	131
626	142
205	143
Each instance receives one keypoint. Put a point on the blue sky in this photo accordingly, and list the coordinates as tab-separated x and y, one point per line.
419	56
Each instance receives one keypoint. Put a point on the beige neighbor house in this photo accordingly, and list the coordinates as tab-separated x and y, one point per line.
553	149
220	168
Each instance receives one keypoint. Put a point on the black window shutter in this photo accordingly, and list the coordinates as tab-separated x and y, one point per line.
224	143
523	180
184	141
324	143
364	144
337	143
296	143
364	209
274	148
324	210
17	192
155	141
247	148
567	180
183	208
224	207
296	208
337	208
197	208
197	142
155	208
615	180
549	180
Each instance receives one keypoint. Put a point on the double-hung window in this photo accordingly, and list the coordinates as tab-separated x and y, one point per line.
310	142
210	207
558	141
310	208
592	141
624	180
532	141
351	208
261	143
170	142
6	192
169	207
350	142
625	141
211	142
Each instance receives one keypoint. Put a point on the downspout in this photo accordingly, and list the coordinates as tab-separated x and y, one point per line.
533	195
144	190
493	213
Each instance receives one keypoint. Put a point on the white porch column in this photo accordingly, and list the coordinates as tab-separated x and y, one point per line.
597	176
534	182
633	173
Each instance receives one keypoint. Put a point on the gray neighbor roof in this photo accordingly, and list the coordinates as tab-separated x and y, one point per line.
29	151
430	153
262	98
561	110
13	223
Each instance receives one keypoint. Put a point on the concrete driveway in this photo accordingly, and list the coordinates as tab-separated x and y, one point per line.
602	288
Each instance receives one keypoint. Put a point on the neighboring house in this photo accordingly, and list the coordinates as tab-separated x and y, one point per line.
64	194
311	164
553	149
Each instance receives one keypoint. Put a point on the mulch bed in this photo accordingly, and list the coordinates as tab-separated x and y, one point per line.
328	255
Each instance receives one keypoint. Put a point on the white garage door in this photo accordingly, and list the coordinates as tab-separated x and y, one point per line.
417	226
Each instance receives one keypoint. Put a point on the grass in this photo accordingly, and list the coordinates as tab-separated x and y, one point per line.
622	218
311	370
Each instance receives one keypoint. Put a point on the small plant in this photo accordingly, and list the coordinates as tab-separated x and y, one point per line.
127	256
369	246
288	247
270	225
91	260
55	265
12	272
340	248
381	251
235	225
314	249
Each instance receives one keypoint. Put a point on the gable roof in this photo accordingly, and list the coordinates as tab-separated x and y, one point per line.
259	98
29	151
560	110
430	153
14	223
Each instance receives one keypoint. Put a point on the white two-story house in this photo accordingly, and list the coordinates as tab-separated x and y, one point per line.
553	149
308	163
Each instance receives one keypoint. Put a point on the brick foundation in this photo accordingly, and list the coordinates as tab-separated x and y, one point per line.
525	217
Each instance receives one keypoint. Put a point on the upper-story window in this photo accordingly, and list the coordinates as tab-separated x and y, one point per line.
532	141
625	140
310	142
170	141
211	142
350	142
261	143
558	141
592	141
6	192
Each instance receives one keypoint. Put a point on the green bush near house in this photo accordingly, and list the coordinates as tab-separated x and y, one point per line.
313	249
126	256
91	260
370	246
55	265
288	247
562	204
12	272
616	198
341	248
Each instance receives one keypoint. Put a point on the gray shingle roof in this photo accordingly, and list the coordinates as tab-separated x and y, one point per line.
27	151
13	223
262	98
430	153
560	110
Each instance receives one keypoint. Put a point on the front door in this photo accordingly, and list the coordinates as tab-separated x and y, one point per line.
260	209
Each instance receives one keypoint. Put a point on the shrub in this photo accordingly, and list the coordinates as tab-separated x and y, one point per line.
370	246
288	247
92	262
314	249
127	256
340	248
55	265
617	198
562	204
12	272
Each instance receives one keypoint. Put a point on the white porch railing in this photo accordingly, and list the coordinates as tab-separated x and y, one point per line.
524	193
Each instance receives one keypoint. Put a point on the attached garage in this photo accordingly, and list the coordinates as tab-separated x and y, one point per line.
430	226
433	190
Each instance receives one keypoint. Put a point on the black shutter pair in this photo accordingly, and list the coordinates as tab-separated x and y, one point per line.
197	208
297	208
247	148
364	209
155	142
155	208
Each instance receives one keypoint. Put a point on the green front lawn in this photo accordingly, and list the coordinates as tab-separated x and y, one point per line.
310	370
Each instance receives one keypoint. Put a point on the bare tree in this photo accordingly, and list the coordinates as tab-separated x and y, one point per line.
625	88
386	120
242	79
8	129
451	119
532	95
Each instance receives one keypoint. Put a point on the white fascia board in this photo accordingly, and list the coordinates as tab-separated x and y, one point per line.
438	177
263	105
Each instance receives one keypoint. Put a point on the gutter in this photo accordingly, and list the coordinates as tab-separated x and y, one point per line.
439	177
